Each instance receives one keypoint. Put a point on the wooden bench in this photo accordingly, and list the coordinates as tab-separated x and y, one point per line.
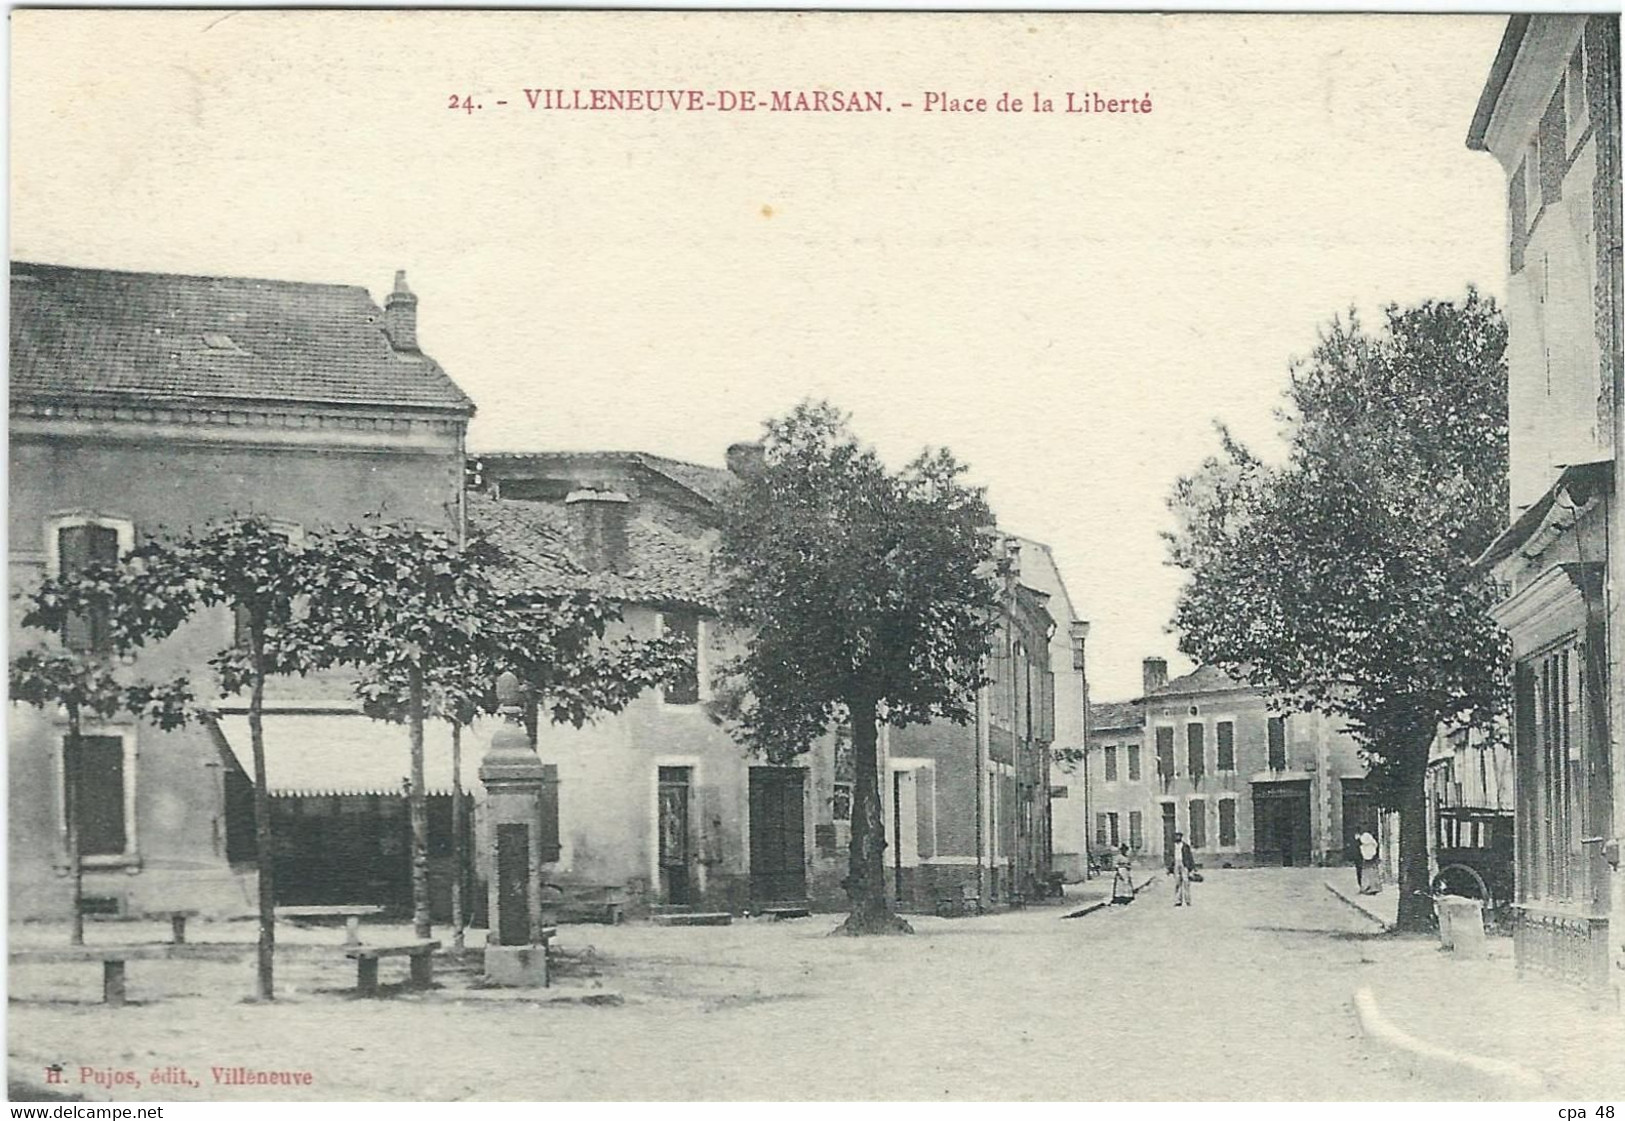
366	959
351	914
113	959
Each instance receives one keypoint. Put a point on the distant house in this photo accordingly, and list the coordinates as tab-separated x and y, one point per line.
1550	114
971	804
143	403
1122	796
1068	826
1245	784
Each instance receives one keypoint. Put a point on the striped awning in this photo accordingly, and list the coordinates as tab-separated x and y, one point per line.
347	753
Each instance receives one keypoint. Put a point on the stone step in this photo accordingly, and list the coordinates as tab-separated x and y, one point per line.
693	918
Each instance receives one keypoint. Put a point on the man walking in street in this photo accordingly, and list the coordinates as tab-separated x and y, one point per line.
1181	863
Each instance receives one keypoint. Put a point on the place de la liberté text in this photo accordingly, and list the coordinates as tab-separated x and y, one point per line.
558	99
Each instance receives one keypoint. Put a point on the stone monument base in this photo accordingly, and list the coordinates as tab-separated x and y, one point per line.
519	967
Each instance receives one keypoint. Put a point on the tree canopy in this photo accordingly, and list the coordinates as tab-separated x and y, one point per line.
1343	579
865	594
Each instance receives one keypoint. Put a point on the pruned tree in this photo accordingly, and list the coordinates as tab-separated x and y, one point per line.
866	596
1342	579
256	569
430	621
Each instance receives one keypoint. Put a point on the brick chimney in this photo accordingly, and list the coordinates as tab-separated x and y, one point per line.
1153	674
401	316
598	522
746	459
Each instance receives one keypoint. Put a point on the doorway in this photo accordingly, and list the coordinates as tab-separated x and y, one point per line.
675	844
1281	824
1169	828
778	846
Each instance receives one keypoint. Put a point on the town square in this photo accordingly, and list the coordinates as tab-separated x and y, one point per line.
1104	596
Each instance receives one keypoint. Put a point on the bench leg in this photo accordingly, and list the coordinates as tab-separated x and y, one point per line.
113	982
177	929
422	971
352	930
366	976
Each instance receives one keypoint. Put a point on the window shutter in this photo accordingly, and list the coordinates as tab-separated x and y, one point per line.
102	829
80	547
548	849
1518	215
1226	733
708	803
1196	755
925	812
1046	719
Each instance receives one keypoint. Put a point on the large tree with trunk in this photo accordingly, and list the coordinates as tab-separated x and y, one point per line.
1342	579
866	596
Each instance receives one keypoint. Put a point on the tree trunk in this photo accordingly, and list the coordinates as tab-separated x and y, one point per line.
419	810
458	855
265	987
1415	904
70	814
866	875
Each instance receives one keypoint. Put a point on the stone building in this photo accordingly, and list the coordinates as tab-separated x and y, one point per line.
660	804
971	803
1550	115
144	403
1122	801
1206	755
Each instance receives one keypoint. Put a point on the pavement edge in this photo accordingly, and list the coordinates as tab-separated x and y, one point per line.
1350	901
1513	1081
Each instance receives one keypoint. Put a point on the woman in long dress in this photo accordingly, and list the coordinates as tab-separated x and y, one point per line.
1370	865
1122	877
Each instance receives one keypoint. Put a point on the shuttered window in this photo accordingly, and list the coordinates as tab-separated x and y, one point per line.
1111	764
684	689
1198	813
1227	822
80	547
1136	830
1196	754
102	824
1277	740
1225	733
1134	762
1165	754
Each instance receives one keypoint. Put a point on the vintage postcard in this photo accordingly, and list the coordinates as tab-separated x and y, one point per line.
804	556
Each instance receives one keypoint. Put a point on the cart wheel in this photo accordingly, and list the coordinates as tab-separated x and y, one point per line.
1462	879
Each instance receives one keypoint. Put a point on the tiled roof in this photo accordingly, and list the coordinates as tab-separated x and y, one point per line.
662	565
156	337
1202	679
1116	714
710	483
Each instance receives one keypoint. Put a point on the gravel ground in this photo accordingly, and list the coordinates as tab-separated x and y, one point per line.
1245	996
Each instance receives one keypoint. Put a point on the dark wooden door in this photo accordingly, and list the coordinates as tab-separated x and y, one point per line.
1281	827
778	850
1168	830
675	839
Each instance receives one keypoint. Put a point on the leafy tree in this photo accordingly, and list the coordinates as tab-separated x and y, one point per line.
257	570
1342	580
431	623
866	595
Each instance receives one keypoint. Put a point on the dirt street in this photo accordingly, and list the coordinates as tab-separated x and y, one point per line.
1244	996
